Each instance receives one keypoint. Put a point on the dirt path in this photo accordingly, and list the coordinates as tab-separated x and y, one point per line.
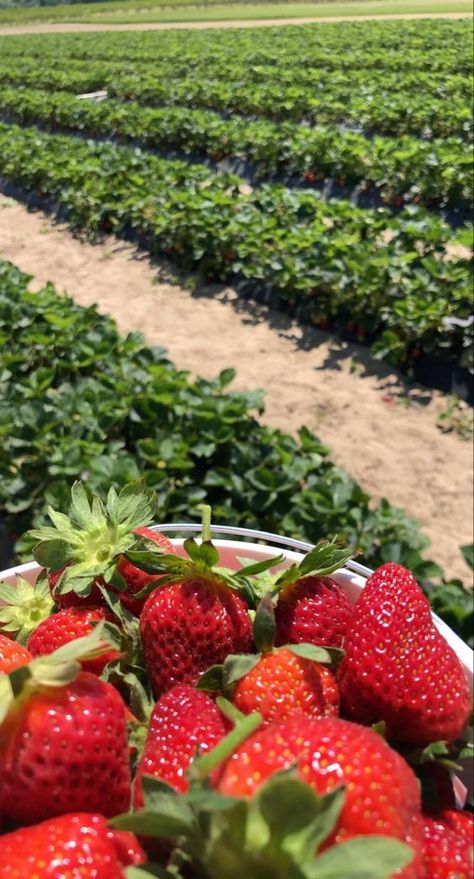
387	441
65	27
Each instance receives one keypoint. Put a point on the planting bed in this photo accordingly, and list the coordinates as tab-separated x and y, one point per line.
314	108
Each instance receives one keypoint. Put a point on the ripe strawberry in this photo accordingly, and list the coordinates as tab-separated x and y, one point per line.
12	655
447	850
74	845
278	682
63	738
190	625
283	684
84	551
195	617
184	722
382	793
67	625
397	666
311	607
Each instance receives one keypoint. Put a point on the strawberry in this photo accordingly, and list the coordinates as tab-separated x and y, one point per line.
346	818
283	684
67	625
63	738
195	617
278	683
311	607
84	552
397	666
12	655
187	626
184	722
447	847
73	845
382	791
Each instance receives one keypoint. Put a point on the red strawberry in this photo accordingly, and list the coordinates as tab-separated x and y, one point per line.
12	655
283	684
73	845
67	625
63	739
190	625
397	666
382	793
314	610
461	823
137	579
84	551
183	722
280	682
311	607
447	850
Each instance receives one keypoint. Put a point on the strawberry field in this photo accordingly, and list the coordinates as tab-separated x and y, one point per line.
321	168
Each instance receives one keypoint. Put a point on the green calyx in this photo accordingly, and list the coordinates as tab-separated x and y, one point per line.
326	557
89	541
56	669
202	563
276	833
24	606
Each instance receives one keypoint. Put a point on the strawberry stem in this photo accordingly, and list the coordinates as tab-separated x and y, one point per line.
206	522
204	765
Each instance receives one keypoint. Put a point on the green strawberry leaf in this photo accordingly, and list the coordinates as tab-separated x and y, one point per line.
252	569
150	871
364	857
326	557
212	680
53	554
324	655
166	813
297	817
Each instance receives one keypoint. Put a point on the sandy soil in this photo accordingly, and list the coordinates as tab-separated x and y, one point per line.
385	438
65	27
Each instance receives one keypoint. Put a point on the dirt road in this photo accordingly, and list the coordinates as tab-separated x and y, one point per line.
385	438
66	27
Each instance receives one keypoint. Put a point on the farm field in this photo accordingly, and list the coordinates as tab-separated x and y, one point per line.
317	170
119	12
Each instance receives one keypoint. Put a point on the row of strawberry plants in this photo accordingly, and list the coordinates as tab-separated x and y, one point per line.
372	107
443	46
79	400
435	172
333	83
390	276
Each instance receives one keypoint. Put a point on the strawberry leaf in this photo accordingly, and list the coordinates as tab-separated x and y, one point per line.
364	857
324	655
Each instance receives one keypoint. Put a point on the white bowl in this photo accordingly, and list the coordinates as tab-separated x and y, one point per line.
352	579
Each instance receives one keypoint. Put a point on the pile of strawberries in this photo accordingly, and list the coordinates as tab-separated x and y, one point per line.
161	715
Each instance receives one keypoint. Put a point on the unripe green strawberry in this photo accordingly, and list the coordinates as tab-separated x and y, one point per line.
68	847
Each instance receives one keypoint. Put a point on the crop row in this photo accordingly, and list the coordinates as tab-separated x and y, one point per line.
438	84
389	277
443	46
436	172
370	108
79	400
